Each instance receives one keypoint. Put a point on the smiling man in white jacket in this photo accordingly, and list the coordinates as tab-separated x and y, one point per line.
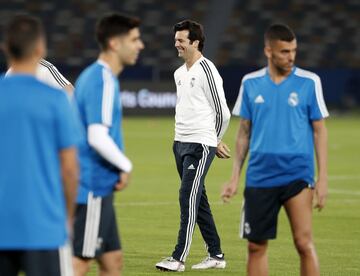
201	119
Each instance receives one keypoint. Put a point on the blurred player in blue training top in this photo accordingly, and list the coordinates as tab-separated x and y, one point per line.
38	176
282	114
104	166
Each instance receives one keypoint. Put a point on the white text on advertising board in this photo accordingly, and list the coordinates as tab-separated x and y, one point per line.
148	99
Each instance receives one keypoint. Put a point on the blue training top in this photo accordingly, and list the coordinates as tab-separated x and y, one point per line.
98	102
281	115
36	124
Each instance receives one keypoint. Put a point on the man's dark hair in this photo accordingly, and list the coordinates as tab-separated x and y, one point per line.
21	35
114	24
279	32
196	31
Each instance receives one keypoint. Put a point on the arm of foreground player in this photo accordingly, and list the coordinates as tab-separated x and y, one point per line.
69	88
100	140
242	146
321	141
69	173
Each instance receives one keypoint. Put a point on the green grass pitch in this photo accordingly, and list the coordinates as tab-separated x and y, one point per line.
148	211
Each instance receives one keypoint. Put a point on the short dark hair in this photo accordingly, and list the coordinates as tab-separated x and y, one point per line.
196	31
113	25
279	32
21	35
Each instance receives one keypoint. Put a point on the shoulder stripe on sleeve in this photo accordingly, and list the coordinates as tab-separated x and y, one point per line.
214	95
59	79
107	98
44	61
237	107
318	89
320	98
253	75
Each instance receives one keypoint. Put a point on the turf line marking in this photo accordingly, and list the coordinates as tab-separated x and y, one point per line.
169	203
344	177
175	203
164	203
344	192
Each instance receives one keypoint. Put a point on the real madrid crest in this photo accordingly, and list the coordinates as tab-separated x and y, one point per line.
247	228
192	82
293	99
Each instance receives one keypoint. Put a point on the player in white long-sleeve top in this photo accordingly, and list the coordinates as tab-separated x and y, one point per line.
46	72
201	119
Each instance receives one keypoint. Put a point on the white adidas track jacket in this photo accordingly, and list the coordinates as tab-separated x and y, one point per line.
202	115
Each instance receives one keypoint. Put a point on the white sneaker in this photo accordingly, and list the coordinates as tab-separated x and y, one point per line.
170	264
210	262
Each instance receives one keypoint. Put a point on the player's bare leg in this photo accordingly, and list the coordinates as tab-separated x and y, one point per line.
111	263
299	212
257	263
81	266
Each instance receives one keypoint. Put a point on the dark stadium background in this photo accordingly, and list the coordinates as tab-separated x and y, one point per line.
328	35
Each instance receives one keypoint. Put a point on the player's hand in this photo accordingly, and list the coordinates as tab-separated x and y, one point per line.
70	227
321	191
228	191
223	151
124	181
